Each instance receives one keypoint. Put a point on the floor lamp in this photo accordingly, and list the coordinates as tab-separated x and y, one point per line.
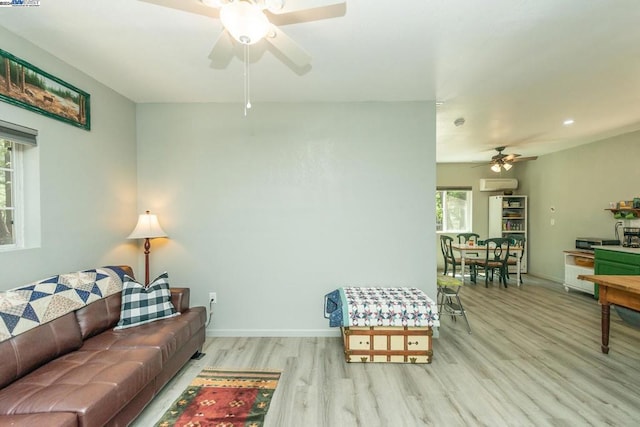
147	228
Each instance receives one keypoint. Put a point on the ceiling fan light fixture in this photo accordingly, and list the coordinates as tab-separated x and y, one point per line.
213	3
245	21
495	167
274	5
507	166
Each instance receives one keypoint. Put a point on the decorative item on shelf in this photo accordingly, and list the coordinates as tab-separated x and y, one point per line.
147	228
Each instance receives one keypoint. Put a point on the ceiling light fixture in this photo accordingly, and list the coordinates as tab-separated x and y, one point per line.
247	24
568	122
245	21
498	166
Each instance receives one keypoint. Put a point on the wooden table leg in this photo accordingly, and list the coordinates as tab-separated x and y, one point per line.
462	266
606	308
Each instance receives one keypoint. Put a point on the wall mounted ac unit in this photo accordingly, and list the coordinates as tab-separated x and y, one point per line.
498	184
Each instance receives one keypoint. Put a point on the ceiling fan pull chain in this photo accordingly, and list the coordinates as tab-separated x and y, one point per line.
247	100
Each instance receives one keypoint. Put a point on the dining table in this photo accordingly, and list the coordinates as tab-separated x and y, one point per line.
619	290
464	249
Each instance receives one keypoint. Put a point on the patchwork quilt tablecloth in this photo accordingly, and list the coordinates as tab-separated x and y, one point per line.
367	306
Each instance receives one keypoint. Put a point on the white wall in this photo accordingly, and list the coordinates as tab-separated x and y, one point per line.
87	179
578	183
275	210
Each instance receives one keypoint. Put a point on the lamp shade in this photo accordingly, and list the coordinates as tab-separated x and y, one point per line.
245	21
495	167
507	166
147	227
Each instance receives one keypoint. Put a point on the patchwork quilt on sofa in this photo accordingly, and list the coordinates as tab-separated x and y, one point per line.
26	307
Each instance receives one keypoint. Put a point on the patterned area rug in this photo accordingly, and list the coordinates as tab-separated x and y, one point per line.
223	398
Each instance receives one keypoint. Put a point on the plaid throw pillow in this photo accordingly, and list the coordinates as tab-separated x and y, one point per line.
142	305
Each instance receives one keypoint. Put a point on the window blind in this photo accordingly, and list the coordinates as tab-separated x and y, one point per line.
18	134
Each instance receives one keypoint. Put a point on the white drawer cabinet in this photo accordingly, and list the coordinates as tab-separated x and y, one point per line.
576	263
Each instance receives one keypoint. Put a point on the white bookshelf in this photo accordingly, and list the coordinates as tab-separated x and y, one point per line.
508	216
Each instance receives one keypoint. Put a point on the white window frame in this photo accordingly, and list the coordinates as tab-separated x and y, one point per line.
21	139
17	188
468	210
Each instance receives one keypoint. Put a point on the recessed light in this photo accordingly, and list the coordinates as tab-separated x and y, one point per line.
568	122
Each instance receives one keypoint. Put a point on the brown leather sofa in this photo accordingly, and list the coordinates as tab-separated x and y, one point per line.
78	371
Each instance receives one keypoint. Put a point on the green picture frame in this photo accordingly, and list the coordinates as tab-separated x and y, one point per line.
29	87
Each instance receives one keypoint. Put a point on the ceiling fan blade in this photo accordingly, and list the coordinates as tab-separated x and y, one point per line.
223	50
510	157
289	6
523	159
191	6
290	49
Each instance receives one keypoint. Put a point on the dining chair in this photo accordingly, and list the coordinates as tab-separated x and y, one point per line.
497	255
447	253
465	238
517	241
452	260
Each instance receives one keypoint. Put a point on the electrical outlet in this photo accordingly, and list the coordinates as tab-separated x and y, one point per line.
213	298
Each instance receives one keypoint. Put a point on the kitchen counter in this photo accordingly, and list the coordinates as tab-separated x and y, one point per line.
620	249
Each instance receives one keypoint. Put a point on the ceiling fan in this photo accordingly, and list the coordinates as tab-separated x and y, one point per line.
505	161
247	22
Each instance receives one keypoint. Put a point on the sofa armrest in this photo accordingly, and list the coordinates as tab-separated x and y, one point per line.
180	298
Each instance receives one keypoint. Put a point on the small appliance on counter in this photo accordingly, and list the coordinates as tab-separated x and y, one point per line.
588	243
631	237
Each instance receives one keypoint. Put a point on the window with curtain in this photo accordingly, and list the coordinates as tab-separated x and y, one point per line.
453	210
14	139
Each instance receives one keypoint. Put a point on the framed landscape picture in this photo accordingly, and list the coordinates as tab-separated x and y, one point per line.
29	87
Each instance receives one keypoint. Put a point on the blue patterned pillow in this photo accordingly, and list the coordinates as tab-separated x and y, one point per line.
142	305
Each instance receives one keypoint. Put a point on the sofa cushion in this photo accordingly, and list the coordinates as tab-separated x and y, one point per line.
28	351
99	316
58	419
104	313
168	336
95	385
142	304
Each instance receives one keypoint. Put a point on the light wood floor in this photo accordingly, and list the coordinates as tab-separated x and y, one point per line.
533	359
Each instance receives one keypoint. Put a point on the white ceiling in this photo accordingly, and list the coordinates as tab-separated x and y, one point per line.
514	69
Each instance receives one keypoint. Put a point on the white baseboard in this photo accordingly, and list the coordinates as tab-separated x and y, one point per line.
294	333
333	332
